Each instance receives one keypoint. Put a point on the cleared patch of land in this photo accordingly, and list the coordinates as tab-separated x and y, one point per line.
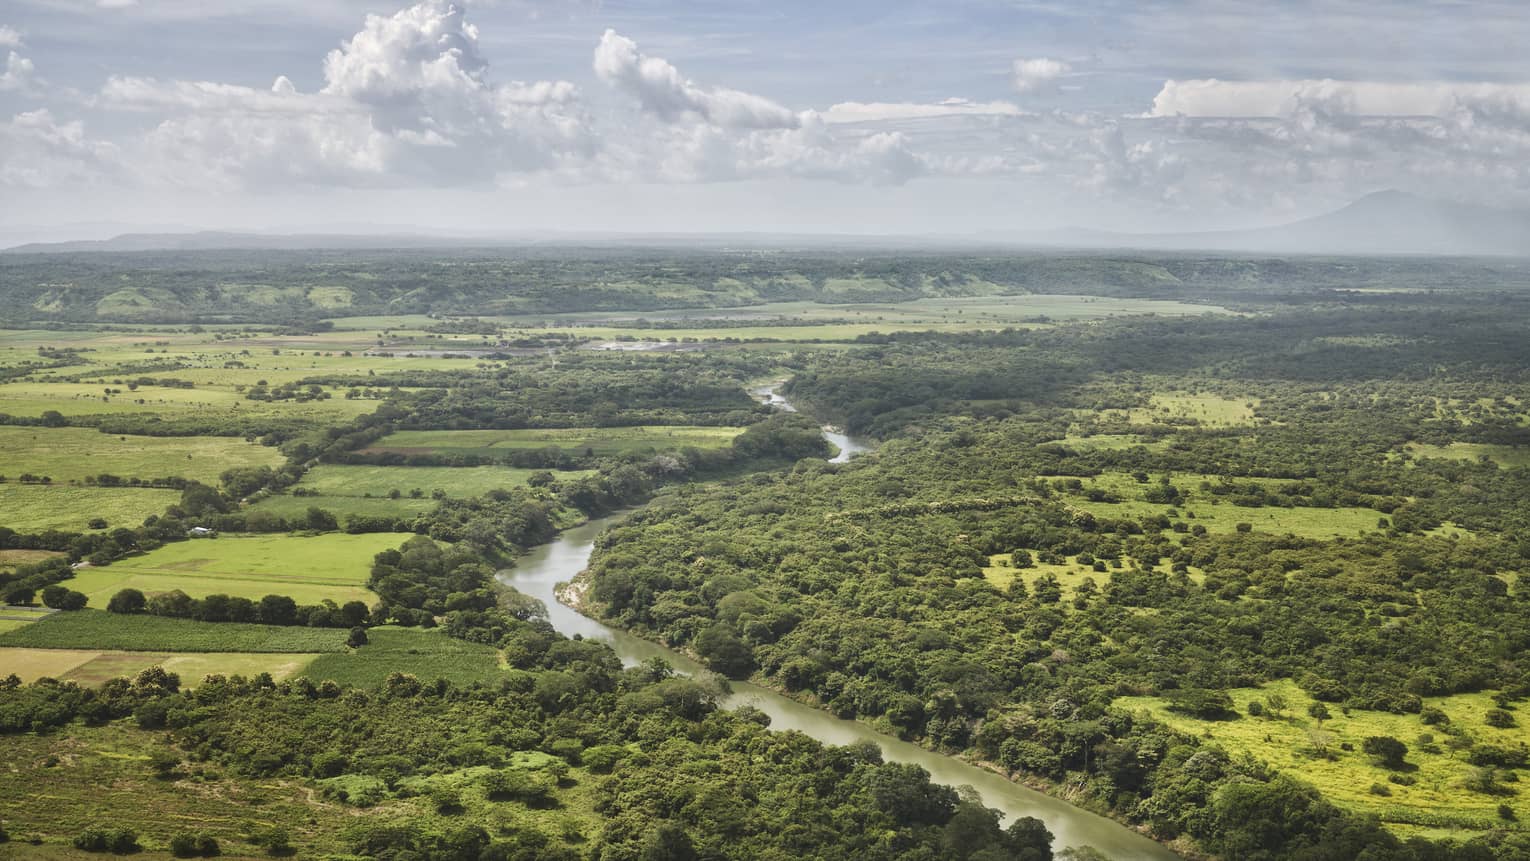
100	630
38	508
1217	514
92	667
597	441
1437	798
308	569
344	507
72	454
1508	456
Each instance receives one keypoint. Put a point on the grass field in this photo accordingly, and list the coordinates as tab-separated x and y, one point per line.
71	454
1436	801
1001	572
38	508
1504	455
14	558
332	480
92	667
100	630
306	568
603	441
1206	408
344	507
427	654
1219	515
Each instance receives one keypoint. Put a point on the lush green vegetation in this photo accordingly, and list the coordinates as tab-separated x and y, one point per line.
1232	550
309	569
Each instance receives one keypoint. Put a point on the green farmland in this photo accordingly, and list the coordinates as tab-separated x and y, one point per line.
72	454
332	480
308	569
38	508
100	630
599	441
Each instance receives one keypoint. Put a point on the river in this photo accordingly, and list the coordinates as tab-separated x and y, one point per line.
540	571
848	446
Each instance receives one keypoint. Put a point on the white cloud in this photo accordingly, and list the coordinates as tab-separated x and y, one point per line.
9	37
1037	72
407	100
664	92
19	73
37	151
872	112
1285	98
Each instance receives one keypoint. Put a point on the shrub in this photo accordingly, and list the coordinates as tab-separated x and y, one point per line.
1498	718
118	841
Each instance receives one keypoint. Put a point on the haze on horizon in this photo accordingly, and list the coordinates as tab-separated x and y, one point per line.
969	116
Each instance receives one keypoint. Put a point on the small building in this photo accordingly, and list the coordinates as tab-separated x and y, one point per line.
200	532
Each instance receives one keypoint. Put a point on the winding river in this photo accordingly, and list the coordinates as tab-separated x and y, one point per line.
539	572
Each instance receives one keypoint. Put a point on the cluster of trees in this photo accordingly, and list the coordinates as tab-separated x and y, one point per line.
270	610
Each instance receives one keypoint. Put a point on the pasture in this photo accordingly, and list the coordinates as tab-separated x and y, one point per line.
1436	801
38	508
72	454
429	655
344	507
99	630
598	441
344	480
308	569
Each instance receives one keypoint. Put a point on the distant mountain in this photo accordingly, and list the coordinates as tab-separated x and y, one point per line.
1387	222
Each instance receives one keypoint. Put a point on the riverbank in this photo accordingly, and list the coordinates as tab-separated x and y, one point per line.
574	595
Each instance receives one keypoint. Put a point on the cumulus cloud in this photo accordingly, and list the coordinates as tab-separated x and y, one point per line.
1037	72
662	91
407	100
9	37
38	151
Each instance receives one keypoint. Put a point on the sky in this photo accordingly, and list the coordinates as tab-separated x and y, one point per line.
956	117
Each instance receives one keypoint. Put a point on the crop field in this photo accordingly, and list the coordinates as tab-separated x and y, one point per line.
600	441
308	569
100	630
427	654
38	508
71	454
1435	801
92	667
343	480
